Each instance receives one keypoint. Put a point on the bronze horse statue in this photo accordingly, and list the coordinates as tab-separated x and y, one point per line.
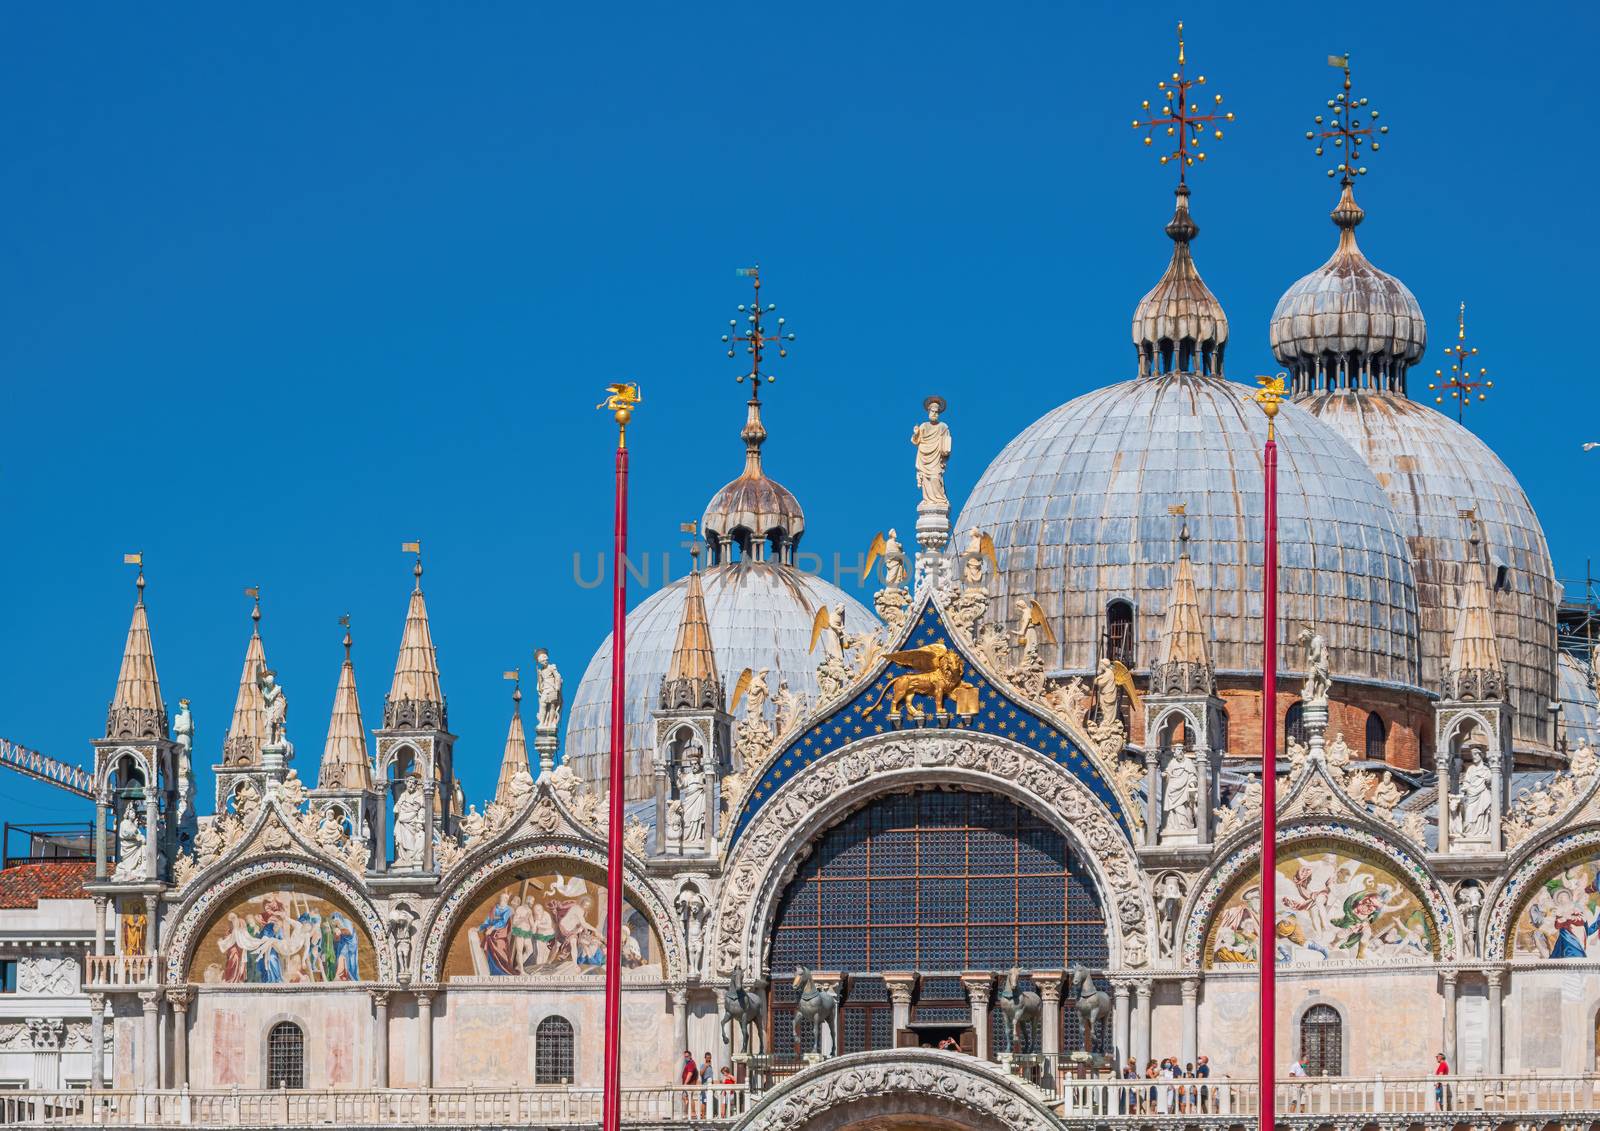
1021	1009
745	1008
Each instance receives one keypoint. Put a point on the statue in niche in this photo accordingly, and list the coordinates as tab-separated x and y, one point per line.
1169	901
693	909
410	824
1469	899
692	797
1180	794
1472	807
130	847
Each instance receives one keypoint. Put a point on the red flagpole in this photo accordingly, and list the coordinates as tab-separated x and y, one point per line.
1267	925
621	403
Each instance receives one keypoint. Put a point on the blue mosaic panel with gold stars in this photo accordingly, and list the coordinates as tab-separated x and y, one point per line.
998	713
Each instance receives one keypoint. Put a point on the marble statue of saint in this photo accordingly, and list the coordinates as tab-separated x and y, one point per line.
1180	794
549	691
693	910
410	824
330	829
894	562
1472	809
1469	898
692	796
473	825
1388	793
932	440
1105	691
1169	901
519	788
785	708
183	733
275	709
756	690
1318	682
130	846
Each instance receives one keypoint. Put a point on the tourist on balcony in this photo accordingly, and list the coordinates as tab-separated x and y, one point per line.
1440	1069
688	1076
708	1077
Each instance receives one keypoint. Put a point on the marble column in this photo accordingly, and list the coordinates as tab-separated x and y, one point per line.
1492	1058
1448	1045
1121	1022
1498	810
97	1039
100	847
152	810
429	830
150	1038
380	830
662	790
1141	1024
900	986
180	1036
713	807
1191	1020
380	1038
425	1040
1049	985
100	902
978	987
1152	794
680	1019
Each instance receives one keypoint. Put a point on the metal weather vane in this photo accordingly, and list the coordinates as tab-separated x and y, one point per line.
1182	116
1344	128
754	337
1462	382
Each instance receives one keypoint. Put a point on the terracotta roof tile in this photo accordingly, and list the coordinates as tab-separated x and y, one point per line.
24	885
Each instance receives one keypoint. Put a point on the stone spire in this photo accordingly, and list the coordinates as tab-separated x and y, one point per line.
515	758
242	747
1474	671
1183	666
136	710
344	755
691	680
416	701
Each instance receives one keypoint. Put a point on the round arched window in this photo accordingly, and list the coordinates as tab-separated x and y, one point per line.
552	1051
1321	1041
286	1056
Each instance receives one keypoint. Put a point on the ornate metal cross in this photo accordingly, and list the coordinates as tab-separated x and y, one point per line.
1344	127
1182	116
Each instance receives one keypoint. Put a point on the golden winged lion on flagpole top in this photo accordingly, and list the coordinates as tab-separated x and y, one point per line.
936	672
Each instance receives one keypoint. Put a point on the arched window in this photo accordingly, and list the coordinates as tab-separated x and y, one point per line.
286	1056
1377	738
552	1051
1120	643
940	883
1321	1040
1294	725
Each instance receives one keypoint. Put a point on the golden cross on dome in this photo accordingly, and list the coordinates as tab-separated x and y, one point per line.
754	336
1462	382
1182	117
1344	127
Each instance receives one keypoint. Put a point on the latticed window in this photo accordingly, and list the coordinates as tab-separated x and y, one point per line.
1321	1038
1120	644
286	1056
1294	725
933	882
1377	738
552	1051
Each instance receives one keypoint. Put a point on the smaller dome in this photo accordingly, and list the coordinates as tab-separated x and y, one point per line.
1580	709
753	512
1180	326
1348	325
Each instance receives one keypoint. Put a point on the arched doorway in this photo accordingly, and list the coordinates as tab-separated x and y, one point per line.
1322	1041
936	883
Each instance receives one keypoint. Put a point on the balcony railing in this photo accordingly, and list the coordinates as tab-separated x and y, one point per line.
113	970
554	1106
1217	1102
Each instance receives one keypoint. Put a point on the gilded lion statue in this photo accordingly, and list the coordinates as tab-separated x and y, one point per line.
936	673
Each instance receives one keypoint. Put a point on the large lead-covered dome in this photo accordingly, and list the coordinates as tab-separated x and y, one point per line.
1349	333
1078	506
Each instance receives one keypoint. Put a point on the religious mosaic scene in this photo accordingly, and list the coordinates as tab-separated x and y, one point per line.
976	845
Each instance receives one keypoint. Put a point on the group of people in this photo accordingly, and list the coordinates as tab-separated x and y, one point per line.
1165	1094
718	1090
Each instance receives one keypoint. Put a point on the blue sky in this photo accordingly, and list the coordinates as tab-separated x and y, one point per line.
286	286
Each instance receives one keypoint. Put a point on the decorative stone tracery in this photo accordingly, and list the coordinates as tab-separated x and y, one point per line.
763	860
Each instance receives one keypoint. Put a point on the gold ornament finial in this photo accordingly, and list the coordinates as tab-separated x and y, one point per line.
1462	382
1270	396
1183	119
623	396
1344	129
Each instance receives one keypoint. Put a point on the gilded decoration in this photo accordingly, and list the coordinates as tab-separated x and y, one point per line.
282	931
866	714
761	862
543	922
1345	897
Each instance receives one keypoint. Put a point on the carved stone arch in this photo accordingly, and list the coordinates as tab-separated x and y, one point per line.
196	911
1206	899
1193	722
922	1087
1528	867
762	862
110	760
444	916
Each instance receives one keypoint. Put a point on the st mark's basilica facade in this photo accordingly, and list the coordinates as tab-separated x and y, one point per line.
1022	784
